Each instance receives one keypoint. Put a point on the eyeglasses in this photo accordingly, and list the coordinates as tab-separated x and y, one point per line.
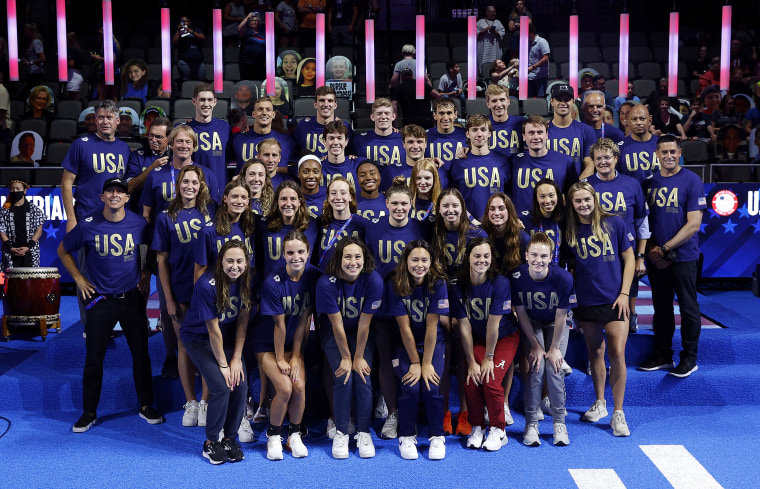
156	137
604	158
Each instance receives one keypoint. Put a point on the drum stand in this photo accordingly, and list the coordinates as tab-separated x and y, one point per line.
42	321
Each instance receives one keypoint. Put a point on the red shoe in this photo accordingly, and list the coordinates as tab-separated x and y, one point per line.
447	429
464	428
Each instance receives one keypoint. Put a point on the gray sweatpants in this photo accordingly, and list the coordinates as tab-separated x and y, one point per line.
555	381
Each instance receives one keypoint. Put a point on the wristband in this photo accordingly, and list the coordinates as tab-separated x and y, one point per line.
640	255
223	366
489	354
623	293
414	363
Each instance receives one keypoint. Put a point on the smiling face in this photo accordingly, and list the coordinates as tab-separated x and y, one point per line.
451	210
583	203
326	105
444	116
594	108
263	112
157	139
547	198
415	147
336	144
498	105
535	137
339	196
41	100
561	104
497	212
399	206
233	263
270	154
310	173
114	198
309	73
604	163
712	101
383	118
669	155
352	262
538	256
339	69
480	260
369	177
424	182
255	177
288	204
135	73
296	255
204	105
418	264
182	146
289	65
236	201
189	186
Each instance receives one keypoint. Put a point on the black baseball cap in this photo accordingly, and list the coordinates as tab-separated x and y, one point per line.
116	182
562	89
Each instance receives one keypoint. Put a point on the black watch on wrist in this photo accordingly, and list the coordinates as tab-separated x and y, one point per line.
640	255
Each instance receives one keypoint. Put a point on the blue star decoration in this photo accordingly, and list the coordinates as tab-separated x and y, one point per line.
702	227
743	212
713	213
50	231
756	226
728	227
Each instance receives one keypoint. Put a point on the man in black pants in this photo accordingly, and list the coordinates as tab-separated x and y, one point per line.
110	239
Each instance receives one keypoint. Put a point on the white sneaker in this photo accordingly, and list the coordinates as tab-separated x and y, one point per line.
408	447
546	406
497	438
437	450
540	415
390	427
508	419
475	440
297	448
190	418
567	369
381	410
340	446
245	433
597	411
202	412
351	426
530	436
331	429
619	425
249	411
365	444
560	435
274	447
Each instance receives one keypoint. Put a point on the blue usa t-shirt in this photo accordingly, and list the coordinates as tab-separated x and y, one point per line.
491	298
351	300
478	177
542	298
527	170
383	150
417	306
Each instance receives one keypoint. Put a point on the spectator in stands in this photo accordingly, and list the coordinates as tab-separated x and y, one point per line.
252	48
726	113
665	122
128	121
513	25
593	112
75	59
737	83
307	30
287	64
490	34
752	117
408	62
609	116
756	140
733	142
232	14
189	43
742	104
701	65
739	57
6	123
697	124
450	84
99	71
306	83
342	18
600	83
243	96
285	20
586	83
505	75
134	80
653	98
87	121
629	96
711	77
20	228
40	103
281	97
538	63
34	54
673	259
26	146
414	111
147	117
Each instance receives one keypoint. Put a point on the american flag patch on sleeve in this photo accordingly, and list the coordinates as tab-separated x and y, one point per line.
630	236
376	305
701	201
573	300
507	305
443	304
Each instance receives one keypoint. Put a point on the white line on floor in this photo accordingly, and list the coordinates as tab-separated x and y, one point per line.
596	479
679	467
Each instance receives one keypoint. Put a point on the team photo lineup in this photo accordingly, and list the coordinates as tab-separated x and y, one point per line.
430	250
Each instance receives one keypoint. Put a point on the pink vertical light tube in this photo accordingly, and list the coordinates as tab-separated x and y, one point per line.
12	42
321	60
623	59
369	54
725	47
108	42
218	51
419	76
63	63
271	48
673	56
524	21
166	52
472	57
574	53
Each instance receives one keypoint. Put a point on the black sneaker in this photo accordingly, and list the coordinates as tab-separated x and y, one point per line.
151	416
684	369
232	449
633	323
656	363
215	453
84	423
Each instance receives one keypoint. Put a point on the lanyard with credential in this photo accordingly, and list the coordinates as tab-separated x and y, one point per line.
335	237
427	212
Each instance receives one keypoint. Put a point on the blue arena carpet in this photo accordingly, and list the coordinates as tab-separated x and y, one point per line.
693	433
